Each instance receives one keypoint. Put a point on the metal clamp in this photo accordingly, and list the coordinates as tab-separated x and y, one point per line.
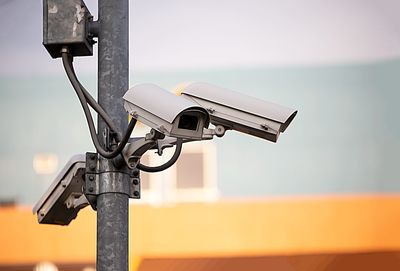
112	181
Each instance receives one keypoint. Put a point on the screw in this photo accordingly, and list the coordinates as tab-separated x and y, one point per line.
41	213
92	166
136	193
135	181
135	173
211	110
91	177
91	189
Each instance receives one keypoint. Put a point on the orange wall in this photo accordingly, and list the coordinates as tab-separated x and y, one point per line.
292	226
23	240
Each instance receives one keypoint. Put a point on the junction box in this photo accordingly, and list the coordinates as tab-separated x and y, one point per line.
66	23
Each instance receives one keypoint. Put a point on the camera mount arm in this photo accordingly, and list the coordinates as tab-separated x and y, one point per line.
133	151
218	131
154	140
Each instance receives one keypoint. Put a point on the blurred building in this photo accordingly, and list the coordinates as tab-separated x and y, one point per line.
325	197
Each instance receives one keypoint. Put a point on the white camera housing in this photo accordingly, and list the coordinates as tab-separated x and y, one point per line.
166	112
64	198
240	112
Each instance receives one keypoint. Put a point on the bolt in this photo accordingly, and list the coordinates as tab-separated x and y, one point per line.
92	157
135	173
136	193
92	166
211	110
265	126
135	181
91	178
91	189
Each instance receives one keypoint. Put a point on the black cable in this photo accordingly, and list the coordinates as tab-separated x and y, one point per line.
67	62
171	161
100	111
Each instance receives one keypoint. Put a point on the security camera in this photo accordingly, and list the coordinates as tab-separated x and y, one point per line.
240	112
64	198
165	112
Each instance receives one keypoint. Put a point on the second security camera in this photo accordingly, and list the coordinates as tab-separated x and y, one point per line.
188	116
240	112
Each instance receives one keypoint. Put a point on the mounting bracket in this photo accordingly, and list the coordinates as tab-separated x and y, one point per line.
112	181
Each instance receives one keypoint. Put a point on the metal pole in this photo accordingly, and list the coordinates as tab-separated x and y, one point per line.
113	76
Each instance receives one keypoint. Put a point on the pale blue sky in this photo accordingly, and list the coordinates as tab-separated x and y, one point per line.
194	34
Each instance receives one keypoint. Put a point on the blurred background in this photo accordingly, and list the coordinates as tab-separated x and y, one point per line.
325	197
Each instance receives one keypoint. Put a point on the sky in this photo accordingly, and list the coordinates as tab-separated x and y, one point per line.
189	34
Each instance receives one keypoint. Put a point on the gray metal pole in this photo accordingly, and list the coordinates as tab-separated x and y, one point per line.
113	77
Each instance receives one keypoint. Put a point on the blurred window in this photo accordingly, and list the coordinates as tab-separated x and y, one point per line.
190	171
191	179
